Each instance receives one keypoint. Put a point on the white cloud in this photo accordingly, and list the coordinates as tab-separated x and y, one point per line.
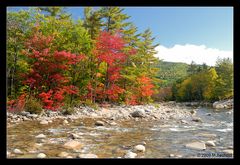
188	53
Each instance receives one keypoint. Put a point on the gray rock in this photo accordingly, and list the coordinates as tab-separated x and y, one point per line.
138	113
99	123
41	136
73	145
210	143
87	156
41	155
17	151
208	114
139	148
130	154
196	145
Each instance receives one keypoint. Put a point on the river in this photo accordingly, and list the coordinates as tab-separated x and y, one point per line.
162	137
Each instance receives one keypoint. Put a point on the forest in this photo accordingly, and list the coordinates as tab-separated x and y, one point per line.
54	61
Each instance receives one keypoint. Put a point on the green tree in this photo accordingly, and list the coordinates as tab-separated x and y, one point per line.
224	83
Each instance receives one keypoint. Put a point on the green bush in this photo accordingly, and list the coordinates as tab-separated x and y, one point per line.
68	110
33	106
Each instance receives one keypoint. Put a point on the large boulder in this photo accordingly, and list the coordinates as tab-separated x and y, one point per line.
138	113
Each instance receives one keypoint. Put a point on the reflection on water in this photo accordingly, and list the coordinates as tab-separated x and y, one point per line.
162	137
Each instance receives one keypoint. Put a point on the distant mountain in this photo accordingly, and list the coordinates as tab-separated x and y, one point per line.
171	71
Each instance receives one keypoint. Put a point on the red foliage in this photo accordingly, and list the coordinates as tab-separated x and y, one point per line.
46	76
113	92
16	106
146	87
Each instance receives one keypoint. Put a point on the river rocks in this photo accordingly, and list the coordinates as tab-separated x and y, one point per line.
138	113
99	123
210	143
72	145
228	104
196	119
44	122
17	151
139	148
41	155
87	156
41	136
130	154
63	154
196	145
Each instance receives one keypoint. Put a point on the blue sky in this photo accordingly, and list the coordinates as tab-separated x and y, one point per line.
208	26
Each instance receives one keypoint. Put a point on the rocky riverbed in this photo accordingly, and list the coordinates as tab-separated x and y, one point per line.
166	130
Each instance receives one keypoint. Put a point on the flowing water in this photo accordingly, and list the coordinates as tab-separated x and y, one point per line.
161	137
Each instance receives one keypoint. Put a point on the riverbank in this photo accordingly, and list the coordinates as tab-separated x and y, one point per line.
162	111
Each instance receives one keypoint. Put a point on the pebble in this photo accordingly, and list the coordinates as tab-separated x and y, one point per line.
72	145
44	122
41	136
229	151
65	122
99	123
41	155
74	136
197	120
130	154
171	155
139	148
87	156
17	151
196	145
210	143
63	154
